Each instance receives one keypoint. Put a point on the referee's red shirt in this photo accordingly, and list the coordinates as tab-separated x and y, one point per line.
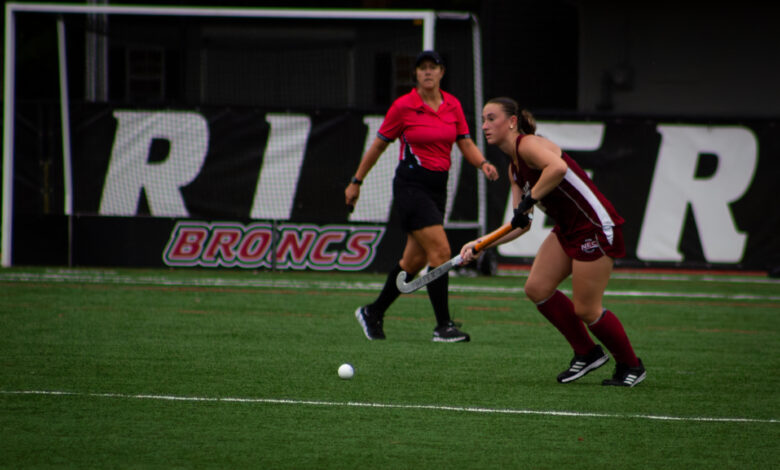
427	134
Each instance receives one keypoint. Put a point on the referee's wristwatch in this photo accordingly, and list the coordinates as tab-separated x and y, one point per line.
356	181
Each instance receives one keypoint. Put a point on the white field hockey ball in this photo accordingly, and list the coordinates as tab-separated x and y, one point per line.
346	371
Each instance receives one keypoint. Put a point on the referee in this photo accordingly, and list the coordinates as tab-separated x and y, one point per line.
427	120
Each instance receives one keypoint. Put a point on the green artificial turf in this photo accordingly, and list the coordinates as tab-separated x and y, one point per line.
230	369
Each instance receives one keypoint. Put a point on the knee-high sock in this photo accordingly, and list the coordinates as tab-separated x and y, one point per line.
388	294
559	310
438	292
610	332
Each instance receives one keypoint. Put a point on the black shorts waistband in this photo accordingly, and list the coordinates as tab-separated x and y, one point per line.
414	174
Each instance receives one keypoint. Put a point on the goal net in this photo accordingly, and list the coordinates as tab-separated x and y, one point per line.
214	114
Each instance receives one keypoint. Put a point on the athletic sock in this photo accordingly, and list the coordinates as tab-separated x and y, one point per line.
388	294
610	332
559	310
438	291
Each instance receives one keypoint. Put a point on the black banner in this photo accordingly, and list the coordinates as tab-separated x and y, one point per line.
231	187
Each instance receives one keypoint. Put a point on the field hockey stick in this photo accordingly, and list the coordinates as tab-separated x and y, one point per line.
407	287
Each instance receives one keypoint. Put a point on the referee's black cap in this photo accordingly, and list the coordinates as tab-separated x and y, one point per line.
433	56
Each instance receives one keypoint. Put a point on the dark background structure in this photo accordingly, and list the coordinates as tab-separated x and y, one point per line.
631	64
663	58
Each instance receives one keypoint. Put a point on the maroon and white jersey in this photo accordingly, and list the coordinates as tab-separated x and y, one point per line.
576	205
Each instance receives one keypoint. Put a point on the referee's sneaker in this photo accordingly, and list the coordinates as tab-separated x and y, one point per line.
449	333
372	324
373	328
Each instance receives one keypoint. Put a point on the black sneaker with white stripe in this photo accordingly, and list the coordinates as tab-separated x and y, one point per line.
449	333
626	376
372	324
582	364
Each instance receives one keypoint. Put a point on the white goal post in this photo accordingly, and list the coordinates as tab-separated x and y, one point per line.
426	18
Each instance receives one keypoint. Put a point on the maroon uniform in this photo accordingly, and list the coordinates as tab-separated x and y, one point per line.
586	223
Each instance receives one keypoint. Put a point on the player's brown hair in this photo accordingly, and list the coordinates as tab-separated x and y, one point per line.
525	119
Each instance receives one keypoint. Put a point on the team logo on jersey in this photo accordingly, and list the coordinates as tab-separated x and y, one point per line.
589	246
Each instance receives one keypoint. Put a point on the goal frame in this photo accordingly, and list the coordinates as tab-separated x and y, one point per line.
426	17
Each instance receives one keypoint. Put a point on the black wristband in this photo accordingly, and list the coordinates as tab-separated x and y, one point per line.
520	219
356	181
526	202
482	164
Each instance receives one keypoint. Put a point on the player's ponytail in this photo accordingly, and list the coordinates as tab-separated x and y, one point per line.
527	122
525	119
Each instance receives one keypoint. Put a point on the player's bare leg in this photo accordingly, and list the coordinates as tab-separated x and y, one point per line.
589	281
551	266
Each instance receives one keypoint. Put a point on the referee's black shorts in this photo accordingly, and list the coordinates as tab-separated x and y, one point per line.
419	197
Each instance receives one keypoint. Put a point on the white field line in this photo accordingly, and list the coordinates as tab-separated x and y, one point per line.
110	277
698	278
727	279
462	409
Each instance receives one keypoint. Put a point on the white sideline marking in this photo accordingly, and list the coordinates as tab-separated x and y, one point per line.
112	277
729	279
463	409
